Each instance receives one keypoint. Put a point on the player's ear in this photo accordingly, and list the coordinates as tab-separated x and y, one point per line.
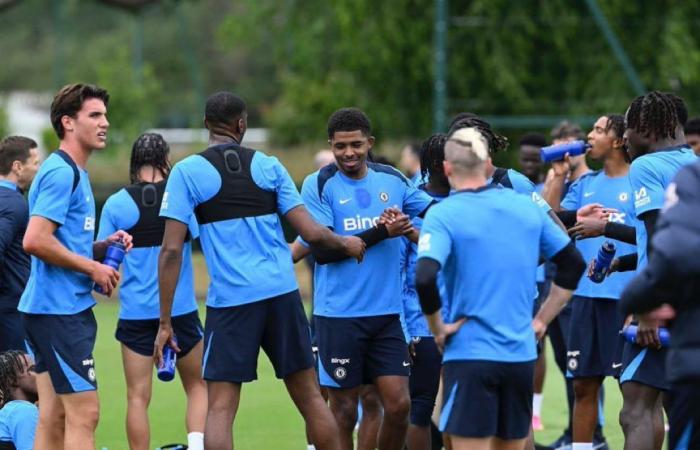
67	122
370	141
447	168
206	124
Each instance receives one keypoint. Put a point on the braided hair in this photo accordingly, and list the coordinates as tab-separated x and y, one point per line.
150	149
654	114
616	123
432	154
496	141
11	368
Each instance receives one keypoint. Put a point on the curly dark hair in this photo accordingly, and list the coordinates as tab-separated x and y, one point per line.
432	154
150	149
616	123
11	367
349	119
655	114
496	141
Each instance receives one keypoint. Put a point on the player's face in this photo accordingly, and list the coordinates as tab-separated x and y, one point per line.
601	140
90	124
28	169
409	163
694	141
637	144
27	380
350	149
530	162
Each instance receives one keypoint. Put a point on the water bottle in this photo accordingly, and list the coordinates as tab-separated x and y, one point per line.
113	258
166	372
557	152
602	262
630	334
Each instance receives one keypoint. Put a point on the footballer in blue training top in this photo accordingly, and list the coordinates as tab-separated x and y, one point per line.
489	342
237	195
57	303
357	307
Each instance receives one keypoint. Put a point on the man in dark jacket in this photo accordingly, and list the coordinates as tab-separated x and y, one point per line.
668	287
19	162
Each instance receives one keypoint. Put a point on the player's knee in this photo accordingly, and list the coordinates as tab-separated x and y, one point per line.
585	389
345	413
52	418
85	417
631	415
138	397
398	410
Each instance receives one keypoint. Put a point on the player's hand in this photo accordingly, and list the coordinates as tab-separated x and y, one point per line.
354	247
105	277
400	226
389	215
124	237
594	210
663	312
648	332
561	168
588	227
164	337
540	328
447	330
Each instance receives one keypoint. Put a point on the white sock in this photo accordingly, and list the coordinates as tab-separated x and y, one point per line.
310	447
537	404
582	446
195	440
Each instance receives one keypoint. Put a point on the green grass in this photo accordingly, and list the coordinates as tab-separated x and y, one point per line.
267	417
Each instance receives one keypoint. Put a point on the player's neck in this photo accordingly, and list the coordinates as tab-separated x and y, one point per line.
11	177
462	182
615	165
667	143
149	174
439	188
78	153
221	137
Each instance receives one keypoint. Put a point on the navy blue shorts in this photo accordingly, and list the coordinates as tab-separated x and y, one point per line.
63	345
12	334
594	338
424	380
684	415
233	337
355	351
486	398
139	335
644	365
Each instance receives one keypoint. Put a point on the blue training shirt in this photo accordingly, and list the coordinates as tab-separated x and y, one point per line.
612	192
416	324
649	176
138	291
349	206
18	420
248	259
52	289
489	264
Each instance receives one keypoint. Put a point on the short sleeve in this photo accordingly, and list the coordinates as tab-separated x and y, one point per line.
318	205
23	426
521	184
552	237
54	194
648	188
572	200
435	241
193	227
108	225
269	174
178	200
415	200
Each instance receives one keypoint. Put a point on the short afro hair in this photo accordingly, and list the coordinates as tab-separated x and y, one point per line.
533	139
223	108
349	119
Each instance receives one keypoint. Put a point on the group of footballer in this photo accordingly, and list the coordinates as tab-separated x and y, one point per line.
445	281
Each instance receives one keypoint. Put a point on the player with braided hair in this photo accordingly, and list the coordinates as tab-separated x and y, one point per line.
18	393
136	208
656	144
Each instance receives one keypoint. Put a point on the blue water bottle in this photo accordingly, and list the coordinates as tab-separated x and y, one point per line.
113	258
166	371
557	152
602	262
630	334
